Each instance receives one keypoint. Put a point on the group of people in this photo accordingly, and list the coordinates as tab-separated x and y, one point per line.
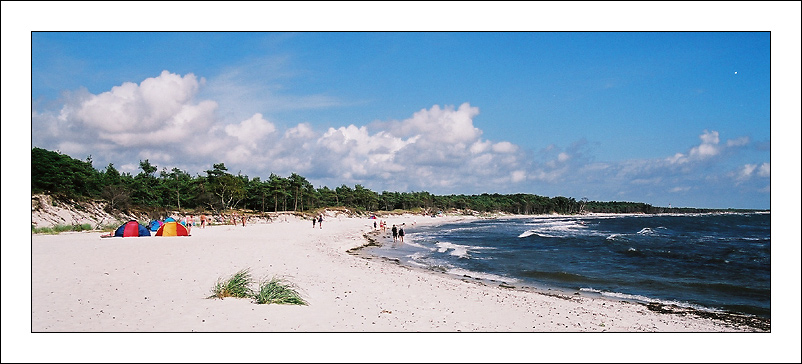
236	218
317	220
398	234
189	220
397	231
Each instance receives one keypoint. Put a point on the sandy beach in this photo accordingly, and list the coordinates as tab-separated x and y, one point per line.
82	283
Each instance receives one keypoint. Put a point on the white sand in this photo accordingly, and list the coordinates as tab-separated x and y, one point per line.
82	283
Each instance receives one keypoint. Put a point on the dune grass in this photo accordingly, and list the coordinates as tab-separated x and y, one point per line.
279	291
238	285
60	228
273	290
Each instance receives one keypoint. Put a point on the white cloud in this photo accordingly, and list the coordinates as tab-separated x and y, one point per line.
739	142
679	189
764	170
504	147
251	130
708	148
745	172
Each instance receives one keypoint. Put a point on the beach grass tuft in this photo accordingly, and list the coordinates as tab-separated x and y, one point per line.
238	285
279	291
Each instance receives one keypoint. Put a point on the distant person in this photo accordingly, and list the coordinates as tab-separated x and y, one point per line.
244	218
401	235
395	233
374	224
314	221
320	221
203	221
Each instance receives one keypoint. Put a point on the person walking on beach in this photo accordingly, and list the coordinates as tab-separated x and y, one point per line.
320	221
395	234
401	235
203	221
314	220
244	218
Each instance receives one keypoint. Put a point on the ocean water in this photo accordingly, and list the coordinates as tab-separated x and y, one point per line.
715	262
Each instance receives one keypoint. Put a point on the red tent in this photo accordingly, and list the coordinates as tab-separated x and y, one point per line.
132	228
172	228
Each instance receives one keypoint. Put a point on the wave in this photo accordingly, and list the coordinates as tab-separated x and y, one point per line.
640	298
558	229
538	234
459	251
481	275
527	233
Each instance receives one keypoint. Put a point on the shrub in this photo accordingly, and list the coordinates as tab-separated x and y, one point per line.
235	286
278	291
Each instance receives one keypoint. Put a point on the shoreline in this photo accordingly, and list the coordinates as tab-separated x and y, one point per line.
374	239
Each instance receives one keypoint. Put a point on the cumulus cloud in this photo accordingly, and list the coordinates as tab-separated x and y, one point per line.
748	171
250	131
707	149
438	146
162	119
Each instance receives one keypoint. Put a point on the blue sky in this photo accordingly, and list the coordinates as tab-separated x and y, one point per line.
672	117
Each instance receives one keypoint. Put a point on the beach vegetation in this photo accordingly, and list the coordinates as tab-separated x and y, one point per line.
278	291
237	285
60	228
273	290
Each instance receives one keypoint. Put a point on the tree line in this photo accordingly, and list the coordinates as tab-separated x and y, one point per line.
218	190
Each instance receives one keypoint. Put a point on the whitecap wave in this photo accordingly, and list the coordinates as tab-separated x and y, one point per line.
527	233
481	275
461	251
560	228
456	250
640	298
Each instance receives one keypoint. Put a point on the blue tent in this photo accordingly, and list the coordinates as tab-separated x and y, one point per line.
155	225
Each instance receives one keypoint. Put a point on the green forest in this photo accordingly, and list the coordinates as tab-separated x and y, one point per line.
218	190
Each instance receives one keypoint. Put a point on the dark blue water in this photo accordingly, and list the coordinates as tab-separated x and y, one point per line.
718	262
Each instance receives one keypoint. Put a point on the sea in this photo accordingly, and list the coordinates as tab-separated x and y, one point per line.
719	262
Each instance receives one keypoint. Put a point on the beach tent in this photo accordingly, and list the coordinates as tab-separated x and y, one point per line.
172	228
155	225
169	219
132	228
